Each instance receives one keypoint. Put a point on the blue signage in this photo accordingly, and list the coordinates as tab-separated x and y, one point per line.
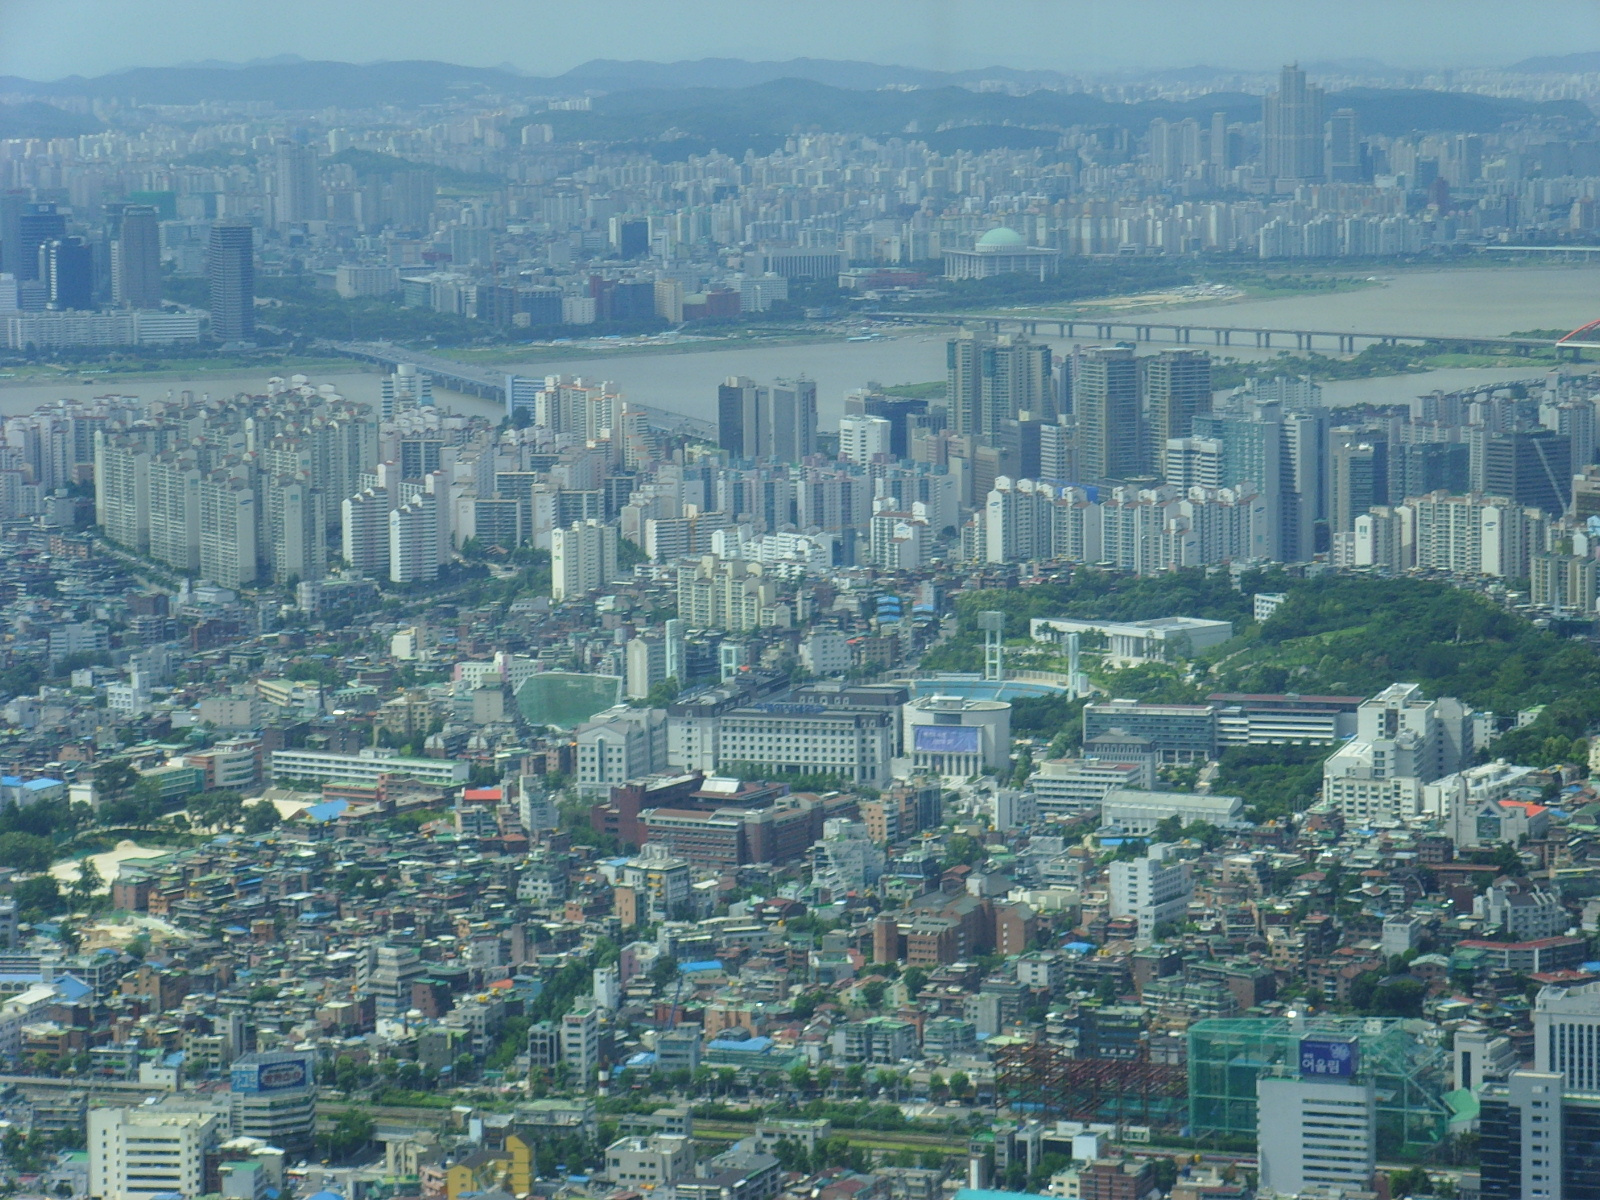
1335	1058
271	1073
944	739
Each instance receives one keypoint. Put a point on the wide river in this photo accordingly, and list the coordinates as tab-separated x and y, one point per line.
1463	302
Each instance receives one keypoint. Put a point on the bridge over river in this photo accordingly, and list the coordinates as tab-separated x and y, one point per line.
491	385
1260	337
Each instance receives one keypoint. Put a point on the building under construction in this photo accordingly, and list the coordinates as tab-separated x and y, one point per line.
1043	1078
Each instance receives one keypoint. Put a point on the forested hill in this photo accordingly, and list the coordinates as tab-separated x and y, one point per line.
1337	635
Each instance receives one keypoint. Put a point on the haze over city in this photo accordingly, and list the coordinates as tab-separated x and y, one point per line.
47	39
753	601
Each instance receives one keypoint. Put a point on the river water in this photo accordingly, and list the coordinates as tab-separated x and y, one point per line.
1463	302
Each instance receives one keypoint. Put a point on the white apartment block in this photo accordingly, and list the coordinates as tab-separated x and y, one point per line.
825	652
1315	1133
863	438
175	510
227	530
1524	913
583	557
414	540
1475	535
1155	889
1356	784
1403	742
580	1042
731	595
899	541
138	1153
366	532
1566	1034
368	766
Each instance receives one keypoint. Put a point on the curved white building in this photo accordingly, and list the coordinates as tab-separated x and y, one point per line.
955	735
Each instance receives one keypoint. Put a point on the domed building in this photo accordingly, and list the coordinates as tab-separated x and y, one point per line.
1001	251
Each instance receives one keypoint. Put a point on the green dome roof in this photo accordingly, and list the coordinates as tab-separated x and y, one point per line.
1000	239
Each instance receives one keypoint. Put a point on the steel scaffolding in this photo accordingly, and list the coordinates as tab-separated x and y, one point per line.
1043	1077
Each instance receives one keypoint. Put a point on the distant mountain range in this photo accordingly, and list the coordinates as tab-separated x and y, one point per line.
951	117
1559	64
734	104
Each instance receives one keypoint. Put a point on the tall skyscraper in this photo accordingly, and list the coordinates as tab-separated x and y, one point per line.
1305	512
1219	153
36	225
1433	467
1291	129
1105	399
964	382
738	416
66	266
630	236
789	420
12	204
230	267
989	380
1357	476
411	200
1531	467
1177	388
1344	147
1252	453
298	194
136	258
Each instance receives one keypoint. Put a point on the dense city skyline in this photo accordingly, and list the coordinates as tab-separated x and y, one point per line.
49	40
963	602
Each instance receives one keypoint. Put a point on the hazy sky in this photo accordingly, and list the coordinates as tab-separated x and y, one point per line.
46	39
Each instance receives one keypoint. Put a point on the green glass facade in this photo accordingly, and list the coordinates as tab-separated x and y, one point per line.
1406	1061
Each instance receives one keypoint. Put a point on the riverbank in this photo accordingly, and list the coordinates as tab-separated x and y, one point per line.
684	378
92	374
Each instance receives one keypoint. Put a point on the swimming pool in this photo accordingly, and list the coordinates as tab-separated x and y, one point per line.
973	687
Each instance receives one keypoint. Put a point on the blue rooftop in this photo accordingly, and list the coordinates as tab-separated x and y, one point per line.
709	964
328	810
755	1045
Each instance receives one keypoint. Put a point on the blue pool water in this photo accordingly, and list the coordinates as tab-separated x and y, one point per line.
974	688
